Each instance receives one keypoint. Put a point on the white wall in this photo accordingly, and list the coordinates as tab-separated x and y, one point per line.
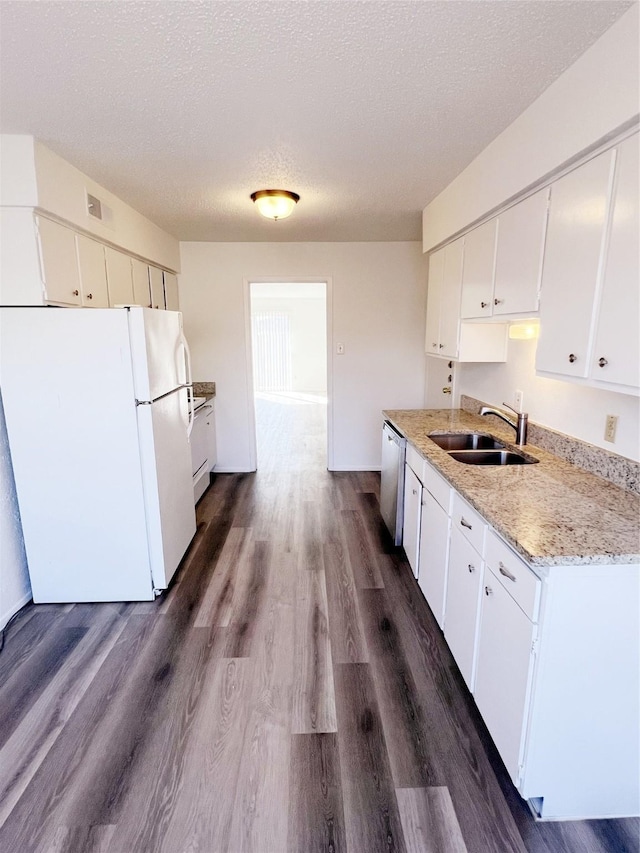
564	406
599	93
33	176
15	589
307	329
379	298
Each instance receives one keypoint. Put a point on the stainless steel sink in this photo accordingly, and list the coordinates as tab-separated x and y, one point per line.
465	441
491	457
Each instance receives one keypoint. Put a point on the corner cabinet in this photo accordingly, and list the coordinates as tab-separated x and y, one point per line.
446	336
590	300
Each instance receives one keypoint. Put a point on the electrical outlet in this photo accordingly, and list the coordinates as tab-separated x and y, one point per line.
610	428
518	397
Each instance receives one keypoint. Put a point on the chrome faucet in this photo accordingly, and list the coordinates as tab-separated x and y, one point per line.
520	426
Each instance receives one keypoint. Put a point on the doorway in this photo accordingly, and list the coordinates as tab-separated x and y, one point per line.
289	366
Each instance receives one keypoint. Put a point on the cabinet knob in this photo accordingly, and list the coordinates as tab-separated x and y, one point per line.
75	292
471	568
488	591
498	301
441	346
483	304
434	345
602	362
89	295
572	357
414	491
446	390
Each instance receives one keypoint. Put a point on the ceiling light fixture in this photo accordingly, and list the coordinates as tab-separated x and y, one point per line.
275	204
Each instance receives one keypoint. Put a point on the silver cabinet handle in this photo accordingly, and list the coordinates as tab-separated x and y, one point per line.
488	590
414	491
505	571
465	523
602	362
572	357
471	568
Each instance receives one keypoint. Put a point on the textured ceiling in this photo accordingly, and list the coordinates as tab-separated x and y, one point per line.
366	109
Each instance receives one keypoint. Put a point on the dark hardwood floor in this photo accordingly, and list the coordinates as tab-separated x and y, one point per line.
291	691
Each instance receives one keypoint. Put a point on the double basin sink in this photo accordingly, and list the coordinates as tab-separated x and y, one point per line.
474	448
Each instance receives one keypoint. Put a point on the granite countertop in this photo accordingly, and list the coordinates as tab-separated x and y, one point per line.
552	513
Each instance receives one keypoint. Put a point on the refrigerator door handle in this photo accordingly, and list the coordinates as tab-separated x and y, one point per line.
187	359
191	416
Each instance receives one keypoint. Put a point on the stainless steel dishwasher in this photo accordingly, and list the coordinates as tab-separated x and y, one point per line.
392	480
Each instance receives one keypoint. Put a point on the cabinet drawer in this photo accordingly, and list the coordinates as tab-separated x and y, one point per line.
414	460
468	522
514	575
437	485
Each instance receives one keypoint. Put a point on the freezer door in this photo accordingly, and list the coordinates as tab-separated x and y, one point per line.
158	350
168	488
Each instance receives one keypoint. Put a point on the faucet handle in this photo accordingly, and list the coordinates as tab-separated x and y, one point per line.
515	411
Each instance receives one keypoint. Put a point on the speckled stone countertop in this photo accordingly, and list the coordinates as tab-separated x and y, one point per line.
552	513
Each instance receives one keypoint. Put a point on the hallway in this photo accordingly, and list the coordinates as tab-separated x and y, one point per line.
291	691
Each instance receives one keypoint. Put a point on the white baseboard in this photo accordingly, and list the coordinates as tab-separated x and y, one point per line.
357	468
4	618
219	470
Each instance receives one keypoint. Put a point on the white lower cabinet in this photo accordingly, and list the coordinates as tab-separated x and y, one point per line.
552	656
504	668
434	553
462	608
412	513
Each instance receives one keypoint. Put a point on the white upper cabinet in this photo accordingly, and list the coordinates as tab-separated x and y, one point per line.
156	285
503	261
141	292
119	277
477	276
575	236
449	327
59	263
616	354
520	246
171	300
93	274
434	298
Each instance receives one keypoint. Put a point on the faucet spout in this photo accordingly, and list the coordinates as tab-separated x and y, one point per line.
519	425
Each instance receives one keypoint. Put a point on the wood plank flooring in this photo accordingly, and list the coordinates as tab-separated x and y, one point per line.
291	691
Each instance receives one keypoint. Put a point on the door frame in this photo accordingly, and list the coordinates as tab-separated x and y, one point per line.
319	279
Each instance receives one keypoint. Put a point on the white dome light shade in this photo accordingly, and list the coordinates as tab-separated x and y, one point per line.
275	204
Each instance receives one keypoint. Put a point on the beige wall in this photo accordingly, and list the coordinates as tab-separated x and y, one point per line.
564	406
599	93
378	297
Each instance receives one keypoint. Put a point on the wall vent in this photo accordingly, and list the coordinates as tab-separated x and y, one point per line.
94	207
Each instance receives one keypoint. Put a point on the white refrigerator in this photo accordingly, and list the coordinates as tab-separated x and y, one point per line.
98	410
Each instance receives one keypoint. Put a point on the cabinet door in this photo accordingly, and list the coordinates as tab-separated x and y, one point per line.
433	553
434	297
477	275
521	234
156	285
616	355
171	292
503	672
464	583
411	526
119	277
93	274
577	217
59	261
141	291
450	301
